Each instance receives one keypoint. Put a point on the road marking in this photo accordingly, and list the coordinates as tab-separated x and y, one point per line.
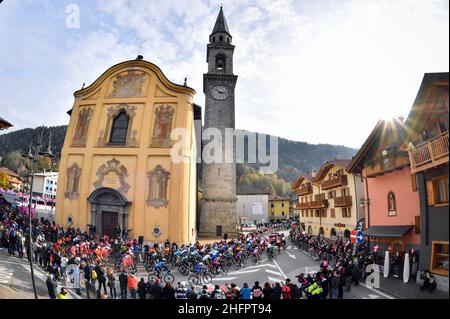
274	279
377	291
259	266
272	272
5	275
224	278
371	297
243	271
295	248
281	271
289	247
291	255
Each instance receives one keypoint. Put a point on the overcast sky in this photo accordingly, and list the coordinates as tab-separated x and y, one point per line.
319	71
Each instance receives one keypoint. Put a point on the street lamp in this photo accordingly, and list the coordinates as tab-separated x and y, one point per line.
33	157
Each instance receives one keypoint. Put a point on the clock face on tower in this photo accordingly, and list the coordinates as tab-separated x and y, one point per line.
219	92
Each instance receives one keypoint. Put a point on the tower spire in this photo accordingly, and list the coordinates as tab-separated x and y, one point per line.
221	25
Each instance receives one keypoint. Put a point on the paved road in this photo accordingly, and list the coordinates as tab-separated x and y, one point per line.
288	264
15	275
15	279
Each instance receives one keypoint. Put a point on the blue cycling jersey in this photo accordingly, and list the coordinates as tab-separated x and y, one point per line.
159	266
198	268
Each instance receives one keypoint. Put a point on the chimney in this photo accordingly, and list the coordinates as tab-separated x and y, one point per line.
314	173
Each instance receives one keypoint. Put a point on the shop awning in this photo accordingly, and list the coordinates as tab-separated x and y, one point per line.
10	198
387	231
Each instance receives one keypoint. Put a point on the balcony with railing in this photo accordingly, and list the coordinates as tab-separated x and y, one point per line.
302	206
304	189
322	203
430	154
340	180
343	201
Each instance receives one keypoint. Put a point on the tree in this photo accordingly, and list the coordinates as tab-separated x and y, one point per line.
4	181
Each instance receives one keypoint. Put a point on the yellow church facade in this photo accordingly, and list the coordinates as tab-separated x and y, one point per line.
116	167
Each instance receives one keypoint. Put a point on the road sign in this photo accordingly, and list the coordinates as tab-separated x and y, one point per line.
360	237
353	236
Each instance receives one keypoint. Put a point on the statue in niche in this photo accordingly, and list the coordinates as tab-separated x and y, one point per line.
158	180
128	85
163	126
391	202
81	130
73	180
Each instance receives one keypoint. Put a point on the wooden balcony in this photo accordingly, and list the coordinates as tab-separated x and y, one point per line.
378	169
302	206
319	204
335	182
431	154
343	201
304	189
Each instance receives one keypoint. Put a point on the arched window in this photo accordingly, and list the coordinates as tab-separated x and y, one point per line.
321	231
228	40
347	233
214	39
119	129
333	232
392	204
221	38
220	62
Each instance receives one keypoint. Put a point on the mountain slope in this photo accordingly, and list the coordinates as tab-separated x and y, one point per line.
294	158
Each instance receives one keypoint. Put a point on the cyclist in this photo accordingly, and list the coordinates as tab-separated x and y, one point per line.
207	259
199	268
161	266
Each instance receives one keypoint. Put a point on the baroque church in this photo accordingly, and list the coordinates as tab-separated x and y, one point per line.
116	168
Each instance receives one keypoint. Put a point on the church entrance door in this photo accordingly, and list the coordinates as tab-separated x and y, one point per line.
109	223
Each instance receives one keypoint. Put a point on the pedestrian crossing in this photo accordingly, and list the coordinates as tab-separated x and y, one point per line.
272	272
5	275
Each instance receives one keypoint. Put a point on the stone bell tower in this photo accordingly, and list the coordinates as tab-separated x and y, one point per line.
218	213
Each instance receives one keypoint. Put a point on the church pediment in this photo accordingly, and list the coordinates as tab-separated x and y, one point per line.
131	79
108	196
128	84
162	93
92	96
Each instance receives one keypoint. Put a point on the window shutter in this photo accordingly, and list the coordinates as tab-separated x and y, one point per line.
430	193
417	225
414	182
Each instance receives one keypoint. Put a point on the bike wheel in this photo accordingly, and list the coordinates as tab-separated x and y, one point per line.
223	271
193	280
207	278
184	270
169	278
152	277
215	271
